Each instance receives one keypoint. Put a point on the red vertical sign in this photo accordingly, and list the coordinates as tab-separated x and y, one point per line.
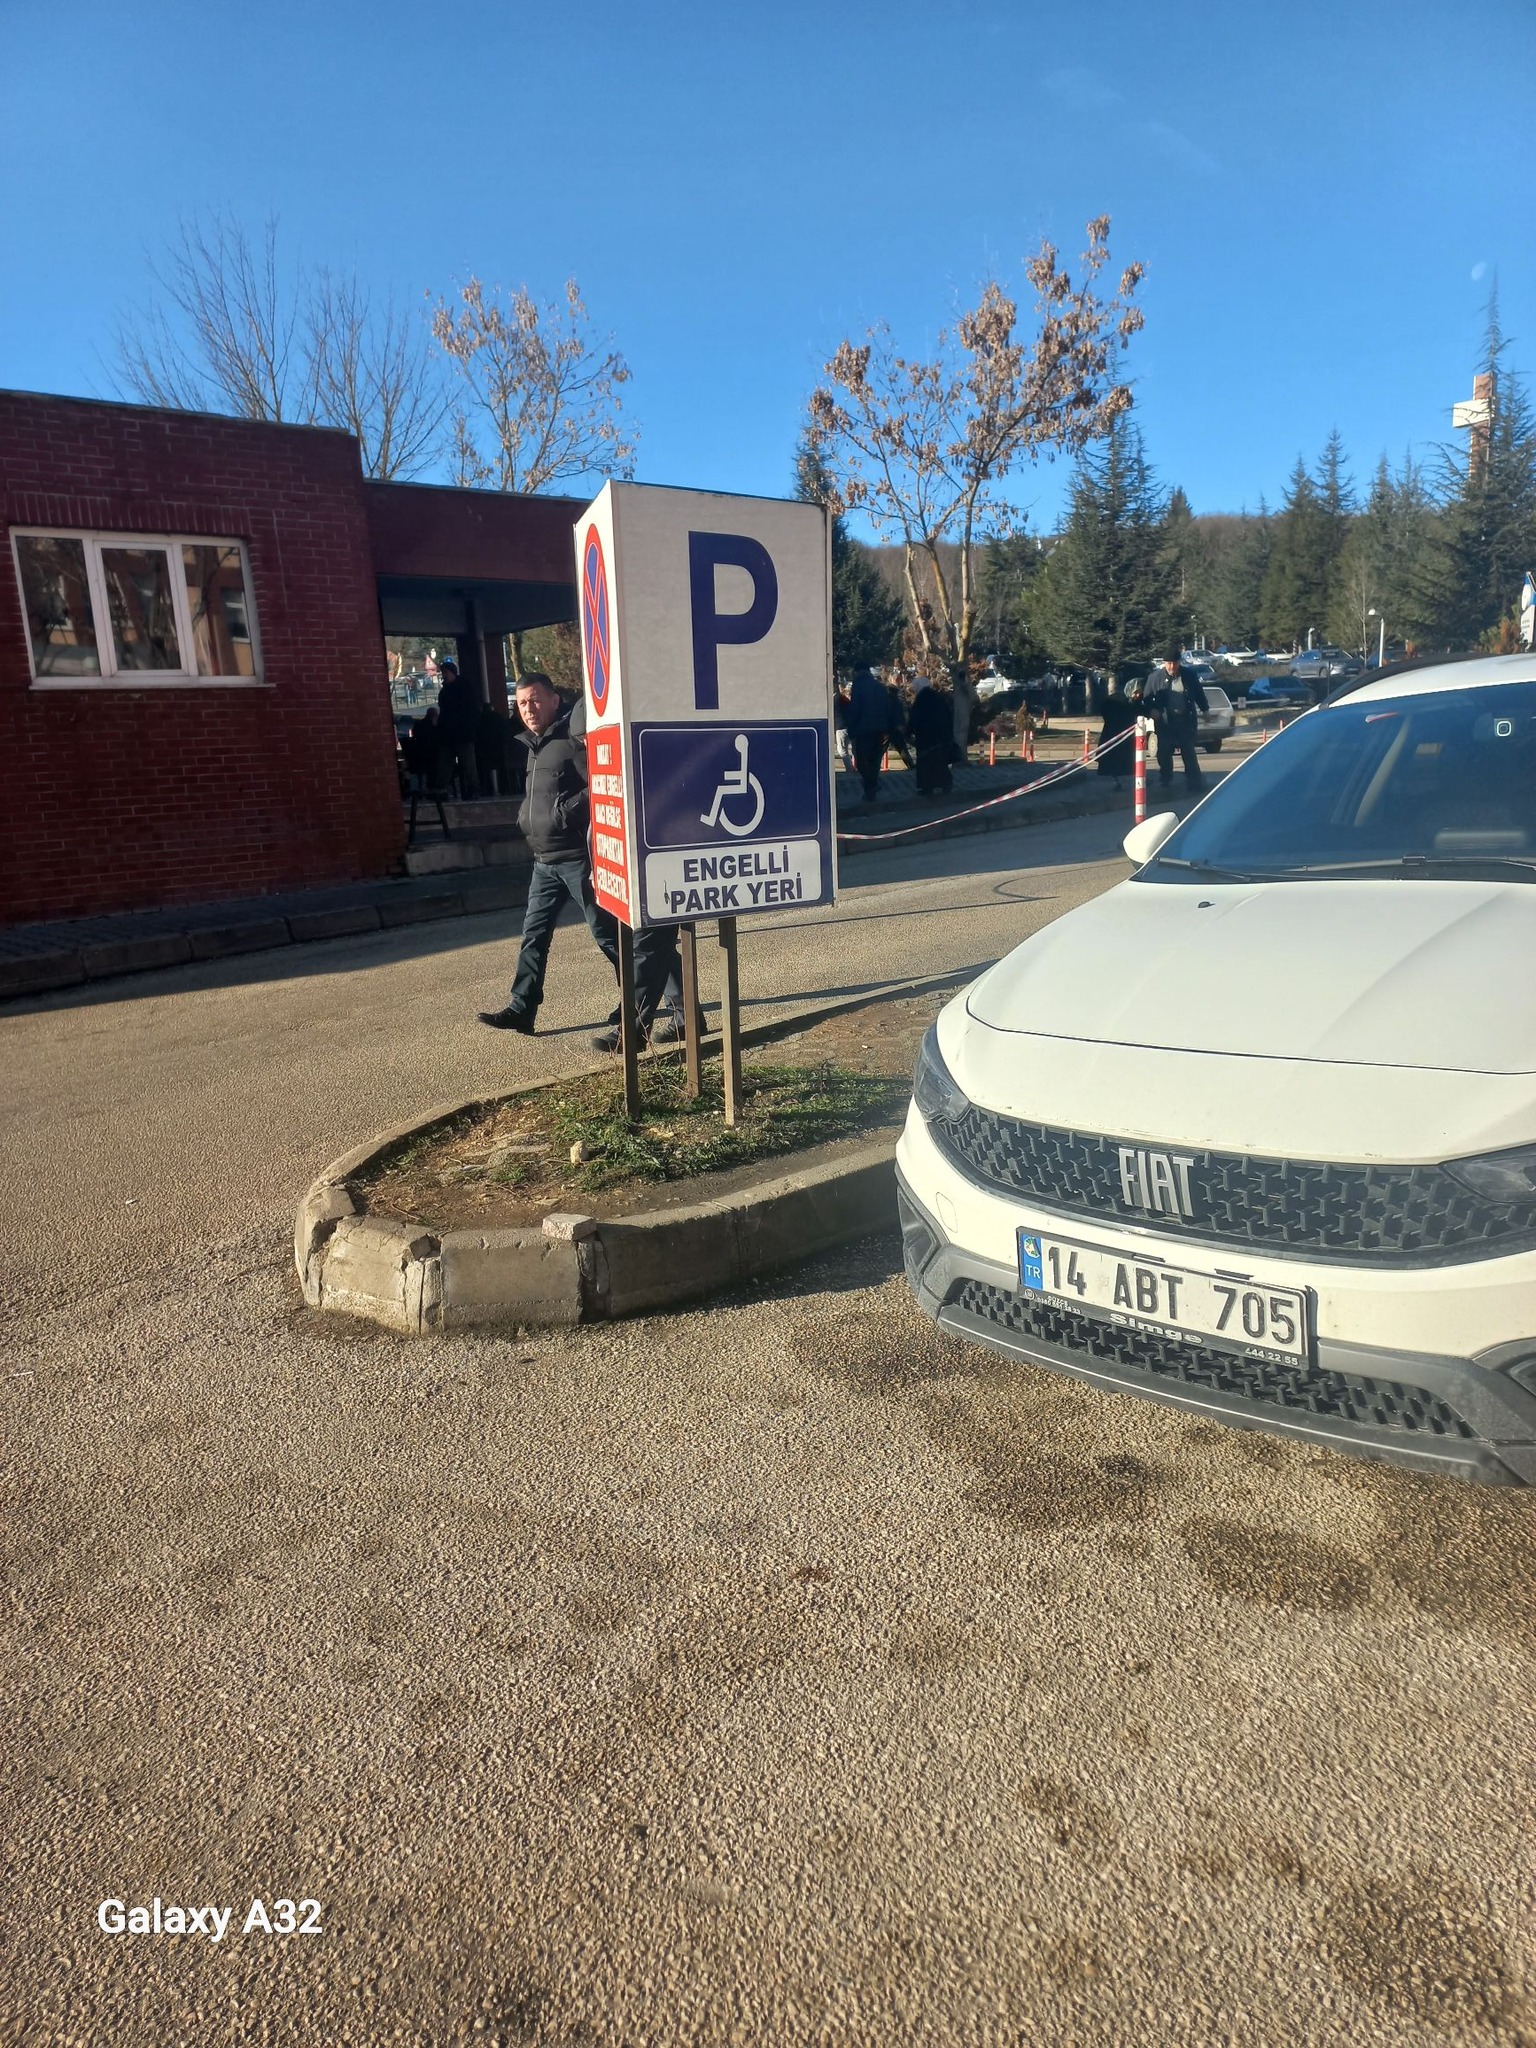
610	840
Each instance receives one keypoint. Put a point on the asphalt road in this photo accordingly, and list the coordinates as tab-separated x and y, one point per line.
772	1673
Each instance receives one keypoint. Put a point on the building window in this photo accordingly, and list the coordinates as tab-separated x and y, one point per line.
57	597
105	609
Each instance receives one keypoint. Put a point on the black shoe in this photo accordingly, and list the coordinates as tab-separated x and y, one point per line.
667	1030
607	1041
508	1020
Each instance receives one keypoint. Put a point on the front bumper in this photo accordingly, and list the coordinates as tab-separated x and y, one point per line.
1449	1416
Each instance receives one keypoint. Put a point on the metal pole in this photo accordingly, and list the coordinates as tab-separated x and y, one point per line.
693	1019
1381	644
730	1025
629	1036
1139	777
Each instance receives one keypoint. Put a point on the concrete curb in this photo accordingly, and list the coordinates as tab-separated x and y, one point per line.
576	1268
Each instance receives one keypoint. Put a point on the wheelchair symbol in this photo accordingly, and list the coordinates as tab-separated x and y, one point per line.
736	782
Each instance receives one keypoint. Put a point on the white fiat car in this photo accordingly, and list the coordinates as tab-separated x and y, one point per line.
1255	1132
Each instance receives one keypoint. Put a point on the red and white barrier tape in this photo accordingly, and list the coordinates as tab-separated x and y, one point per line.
1070	768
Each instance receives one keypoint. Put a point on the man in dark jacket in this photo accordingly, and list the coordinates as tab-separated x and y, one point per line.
554	819
458	713
869	718
932	727
1174	699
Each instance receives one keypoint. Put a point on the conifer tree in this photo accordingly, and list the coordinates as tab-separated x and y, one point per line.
1237	597
1008	570
1336	499
1107	594
1294	599
1484	538
867	616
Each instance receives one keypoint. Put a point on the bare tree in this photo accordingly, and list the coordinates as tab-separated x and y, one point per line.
228	331
929	449
219	332
374	375
538	396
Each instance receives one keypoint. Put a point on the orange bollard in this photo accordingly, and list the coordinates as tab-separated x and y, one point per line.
991	749
1027	751
1087	750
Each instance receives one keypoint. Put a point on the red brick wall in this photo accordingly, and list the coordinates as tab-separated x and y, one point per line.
121	798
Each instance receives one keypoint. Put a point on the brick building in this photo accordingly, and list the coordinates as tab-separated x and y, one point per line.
193	695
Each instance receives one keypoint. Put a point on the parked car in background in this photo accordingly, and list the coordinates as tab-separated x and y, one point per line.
1218	721
1239	657
994	684
1325	664
1267	691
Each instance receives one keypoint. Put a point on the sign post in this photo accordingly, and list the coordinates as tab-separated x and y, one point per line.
707	656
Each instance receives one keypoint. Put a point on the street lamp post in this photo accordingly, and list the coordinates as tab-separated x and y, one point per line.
1381	644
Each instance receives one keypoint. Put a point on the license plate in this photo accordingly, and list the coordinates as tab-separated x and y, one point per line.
1145	1292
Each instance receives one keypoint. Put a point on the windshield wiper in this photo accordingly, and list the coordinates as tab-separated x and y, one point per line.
1419	863
1204	867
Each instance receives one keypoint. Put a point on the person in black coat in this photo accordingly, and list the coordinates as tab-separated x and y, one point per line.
1174	699
493	743
458	712
1120	715
932	726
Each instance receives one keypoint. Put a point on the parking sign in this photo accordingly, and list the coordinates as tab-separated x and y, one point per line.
707	656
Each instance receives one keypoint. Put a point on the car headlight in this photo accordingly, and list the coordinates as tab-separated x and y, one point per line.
933	1086
1499	1176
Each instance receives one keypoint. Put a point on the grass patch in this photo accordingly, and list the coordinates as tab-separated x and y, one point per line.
784	1109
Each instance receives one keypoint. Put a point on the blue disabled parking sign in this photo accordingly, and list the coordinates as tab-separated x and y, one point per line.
732	817
707	650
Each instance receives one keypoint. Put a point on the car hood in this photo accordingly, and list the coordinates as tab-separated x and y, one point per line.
1372	973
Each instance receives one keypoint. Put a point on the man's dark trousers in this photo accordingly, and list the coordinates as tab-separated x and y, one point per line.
1178	736
548	885
868	752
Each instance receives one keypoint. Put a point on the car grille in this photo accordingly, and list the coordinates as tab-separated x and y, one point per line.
1405	1215
1301	1389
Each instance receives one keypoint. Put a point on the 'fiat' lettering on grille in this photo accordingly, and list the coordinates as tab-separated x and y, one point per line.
1156	1181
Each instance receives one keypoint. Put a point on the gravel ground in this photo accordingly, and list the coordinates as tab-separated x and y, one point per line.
777	1672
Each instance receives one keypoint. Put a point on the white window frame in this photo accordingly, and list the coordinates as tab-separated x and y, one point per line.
111	677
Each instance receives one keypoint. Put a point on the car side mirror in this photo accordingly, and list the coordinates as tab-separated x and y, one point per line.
1143	840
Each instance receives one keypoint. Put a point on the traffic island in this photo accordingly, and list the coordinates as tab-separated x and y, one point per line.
545	1206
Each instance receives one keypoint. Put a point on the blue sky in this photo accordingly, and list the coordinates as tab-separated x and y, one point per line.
1321	193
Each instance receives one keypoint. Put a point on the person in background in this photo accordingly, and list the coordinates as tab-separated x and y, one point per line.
868	721
932	726
422	747
493	743
1175	700
458	712
840	726
1120	714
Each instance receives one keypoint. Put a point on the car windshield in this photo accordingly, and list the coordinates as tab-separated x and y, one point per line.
1442	784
